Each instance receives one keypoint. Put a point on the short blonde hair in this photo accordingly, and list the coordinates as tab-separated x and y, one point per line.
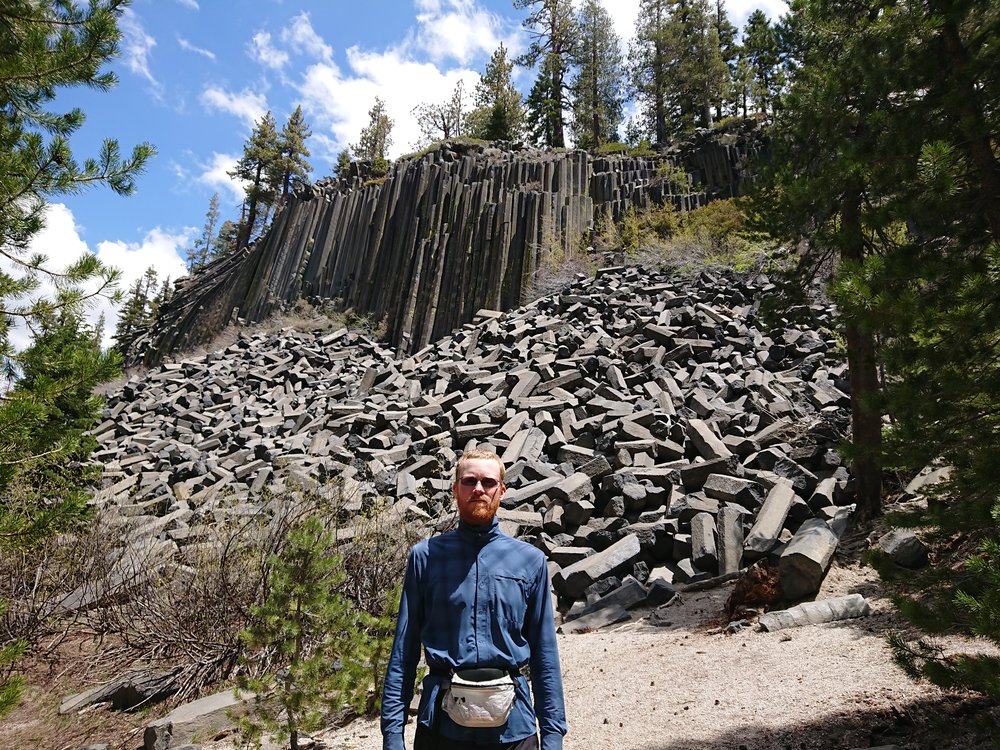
478	453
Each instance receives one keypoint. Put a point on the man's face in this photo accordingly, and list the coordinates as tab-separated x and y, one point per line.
478	491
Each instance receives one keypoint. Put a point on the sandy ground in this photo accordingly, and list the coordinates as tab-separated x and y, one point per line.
688	685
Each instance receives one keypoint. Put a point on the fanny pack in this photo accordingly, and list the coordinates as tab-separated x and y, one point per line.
479	697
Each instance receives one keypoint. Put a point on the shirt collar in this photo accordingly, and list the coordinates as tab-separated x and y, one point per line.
479	534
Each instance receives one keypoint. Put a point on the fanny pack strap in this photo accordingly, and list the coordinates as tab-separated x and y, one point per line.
513	672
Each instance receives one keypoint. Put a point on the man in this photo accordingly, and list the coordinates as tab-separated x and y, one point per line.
476	599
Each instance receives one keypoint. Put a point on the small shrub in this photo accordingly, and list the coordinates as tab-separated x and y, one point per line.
645	148
322	637
608	149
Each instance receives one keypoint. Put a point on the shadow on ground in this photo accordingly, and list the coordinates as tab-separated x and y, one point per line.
954	722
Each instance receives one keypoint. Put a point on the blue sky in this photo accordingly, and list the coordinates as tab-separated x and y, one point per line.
194	76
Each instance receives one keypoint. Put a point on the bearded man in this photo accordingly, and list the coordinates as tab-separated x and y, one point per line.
477	601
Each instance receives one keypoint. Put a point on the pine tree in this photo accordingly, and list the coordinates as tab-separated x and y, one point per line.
543	109
441	120
499	112
292	165
598	86
677	67
342	168
729	50
553	33
225	240
45	475
375	140
197	256
322	637
48	46
139	309
648	58
633	133
760	50
257	169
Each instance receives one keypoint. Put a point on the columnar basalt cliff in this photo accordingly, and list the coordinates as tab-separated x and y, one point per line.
461	228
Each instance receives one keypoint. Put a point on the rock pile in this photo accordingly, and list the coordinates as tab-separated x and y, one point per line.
462	227
651	426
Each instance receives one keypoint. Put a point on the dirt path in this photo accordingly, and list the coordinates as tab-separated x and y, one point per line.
687	685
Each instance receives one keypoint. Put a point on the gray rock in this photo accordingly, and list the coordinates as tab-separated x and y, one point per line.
904	547
620	556
204	717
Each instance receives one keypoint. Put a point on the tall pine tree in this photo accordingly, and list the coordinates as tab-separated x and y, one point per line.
257	169
375	139
499	112
648	58
761	53
292	165
198	255
599	82
553	33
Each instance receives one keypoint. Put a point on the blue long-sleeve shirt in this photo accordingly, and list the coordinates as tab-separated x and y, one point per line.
476	597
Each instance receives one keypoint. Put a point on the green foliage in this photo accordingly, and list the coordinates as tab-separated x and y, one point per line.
598	85
11	685
719	233
613	148
333	652
761	54
676	65
376	138
343	166
201	250
43	419
499	113
885	151
291	167
921	659
141	305
258	170
643	148
45	403
551	26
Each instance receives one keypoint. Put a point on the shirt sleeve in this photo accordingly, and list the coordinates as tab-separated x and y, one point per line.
401	672
546	674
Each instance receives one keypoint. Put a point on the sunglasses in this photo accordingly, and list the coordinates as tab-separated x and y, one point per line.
488	483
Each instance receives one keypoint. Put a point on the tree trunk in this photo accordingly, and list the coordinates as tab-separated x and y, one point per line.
866	421
595	99
972	124
244	239
659	98
558	137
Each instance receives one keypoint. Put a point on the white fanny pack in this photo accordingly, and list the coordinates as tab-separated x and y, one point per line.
479	702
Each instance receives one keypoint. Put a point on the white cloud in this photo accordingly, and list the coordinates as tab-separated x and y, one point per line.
185	44
137	47
740	10
192	4
248	105
304	39
340	103
261	50
456	29
159	249
214	175
62	245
